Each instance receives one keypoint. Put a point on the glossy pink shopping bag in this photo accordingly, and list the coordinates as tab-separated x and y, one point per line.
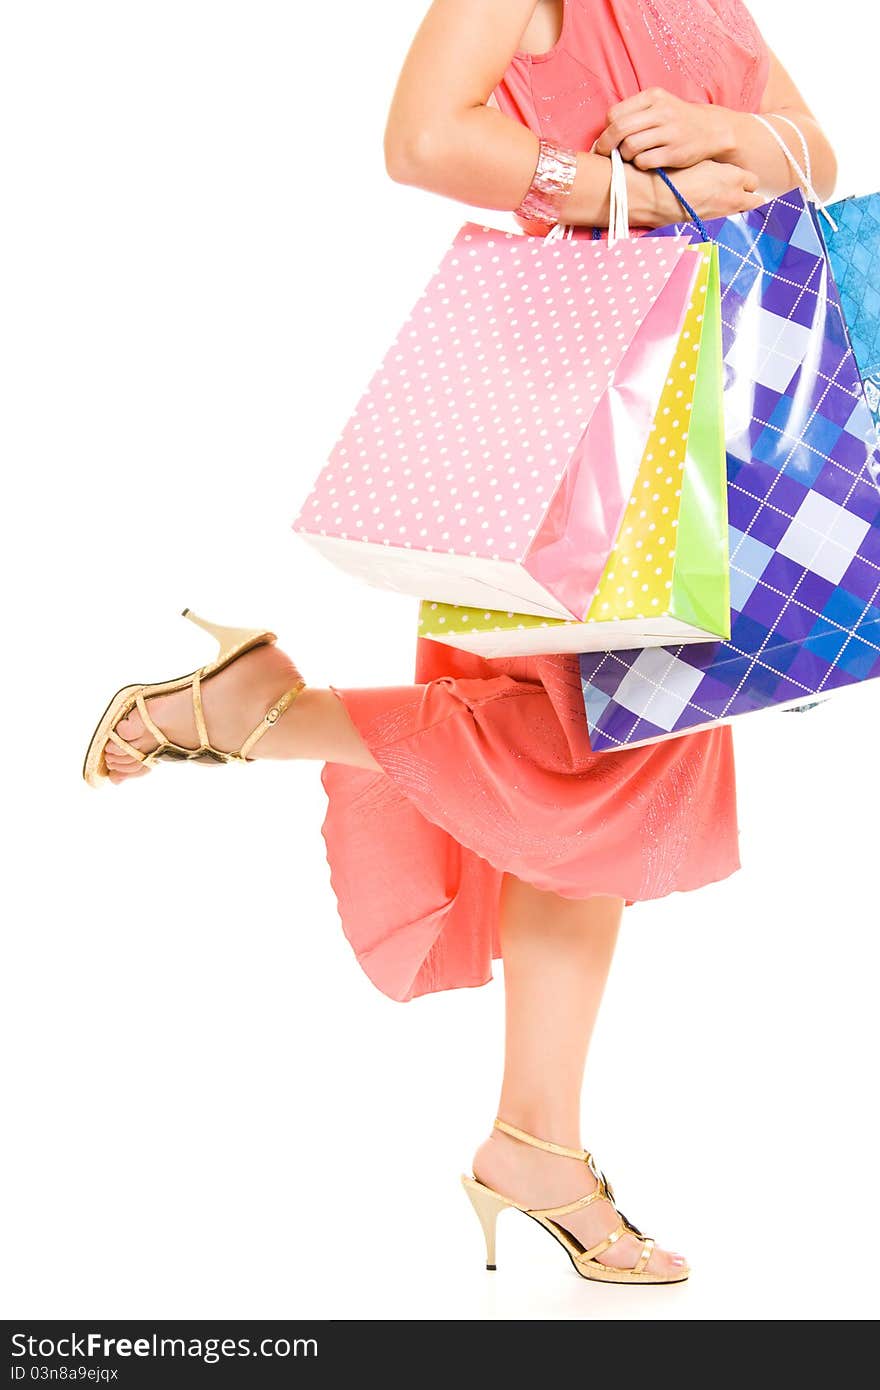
492	455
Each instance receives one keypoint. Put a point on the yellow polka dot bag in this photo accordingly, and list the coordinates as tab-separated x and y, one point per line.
667	576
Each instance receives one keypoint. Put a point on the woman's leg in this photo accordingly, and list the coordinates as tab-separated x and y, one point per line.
557	953
234	700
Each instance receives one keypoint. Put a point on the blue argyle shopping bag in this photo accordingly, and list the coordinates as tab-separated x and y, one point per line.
854	251
803	496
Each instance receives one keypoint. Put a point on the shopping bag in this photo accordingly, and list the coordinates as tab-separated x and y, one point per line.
492	456
804	506
666	578
853	246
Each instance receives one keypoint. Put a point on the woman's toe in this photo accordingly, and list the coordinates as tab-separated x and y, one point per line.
119	771
121	765
116	755
667	1264
131	728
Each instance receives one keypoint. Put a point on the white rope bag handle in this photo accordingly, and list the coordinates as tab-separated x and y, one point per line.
618	208
805	174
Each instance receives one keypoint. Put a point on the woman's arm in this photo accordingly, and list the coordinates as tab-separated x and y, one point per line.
656	129
442	136
748	138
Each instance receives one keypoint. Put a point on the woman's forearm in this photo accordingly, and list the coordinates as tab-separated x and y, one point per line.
487	160
740	139
444	136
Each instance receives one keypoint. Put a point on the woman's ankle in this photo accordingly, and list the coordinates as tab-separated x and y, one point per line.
527	1174
543	1119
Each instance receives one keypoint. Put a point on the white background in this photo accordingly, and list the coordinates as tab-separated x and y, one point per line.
211	1111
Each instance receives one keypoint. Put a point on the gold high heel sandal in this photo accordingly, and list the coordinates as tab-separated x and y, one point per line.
232	642
487	1204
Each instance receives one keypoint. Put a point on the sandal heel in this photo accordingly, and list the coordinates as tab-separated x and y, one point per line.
230	640
487	1204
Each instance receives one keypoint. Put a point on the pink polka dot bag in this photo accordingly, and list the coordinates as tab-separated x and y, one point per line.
523	450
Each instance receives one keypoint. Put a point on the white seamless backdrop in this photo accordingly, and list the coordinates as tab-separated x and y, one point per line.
207	1101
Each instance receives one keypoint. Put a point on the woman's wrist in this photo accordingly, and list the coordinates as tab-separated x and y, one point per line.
651	202
547	196
721	134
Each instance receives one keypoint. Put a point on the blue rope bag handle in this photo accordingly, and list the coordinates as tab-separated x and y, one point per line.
692	214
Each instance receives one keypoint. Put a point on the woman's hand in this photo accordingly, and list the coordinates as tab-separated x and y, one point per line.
655	130
712	188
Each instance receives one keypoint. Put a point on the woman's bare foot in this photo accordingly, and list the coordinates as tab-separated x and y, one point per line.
234	701
538	1179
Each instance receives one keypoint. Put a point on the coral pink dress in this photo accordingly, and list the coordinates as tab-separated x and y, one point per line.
486	765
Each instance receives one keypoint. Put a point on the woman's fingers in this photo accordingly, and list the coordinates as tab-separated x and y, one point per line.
645	111
640	102
660	157
743	188
642	141
616	132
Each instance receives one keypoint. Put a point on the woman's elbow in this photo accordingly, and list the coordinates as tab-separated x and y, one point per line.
410	153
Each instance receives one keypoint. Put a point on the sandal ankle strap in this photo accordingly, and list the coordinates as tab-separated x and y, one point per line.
271	717
545	1144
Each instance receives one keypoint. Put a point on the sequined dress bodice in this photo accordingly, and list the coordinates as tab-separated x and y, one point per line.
701	50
